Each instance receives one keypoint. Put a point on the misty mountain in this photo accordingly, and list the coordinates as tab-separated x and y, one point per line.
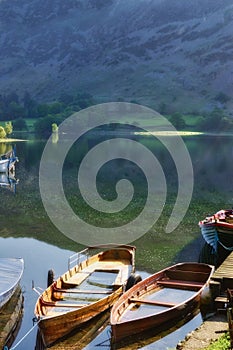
175	53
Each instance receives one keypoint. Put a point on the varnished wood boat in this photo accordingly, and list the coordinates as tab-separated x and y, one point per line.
159	299
88	288
218	229
11	270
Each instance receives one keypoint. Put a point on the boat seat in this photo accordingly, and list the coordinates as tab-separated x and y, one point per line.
76	279
151	302
60	304
179	283
80	291
183	275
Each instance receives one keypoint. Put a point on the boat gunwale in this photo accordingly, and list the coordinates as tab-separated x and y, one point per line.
114	320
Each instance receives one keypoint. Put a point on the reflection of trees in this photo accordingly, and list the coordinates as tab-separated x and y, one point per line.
55	137
212	162
5	147
29	154
2	148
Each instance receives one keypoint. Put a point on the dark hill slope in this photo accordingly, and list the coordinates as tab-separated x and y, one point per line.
179	53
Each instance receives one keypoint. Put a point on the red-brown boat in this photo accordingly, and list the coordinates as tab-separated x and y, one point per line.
159	299
87	289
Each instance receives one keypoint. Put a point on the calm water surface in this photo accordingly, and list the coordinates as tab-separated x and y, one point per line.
39	257
27	232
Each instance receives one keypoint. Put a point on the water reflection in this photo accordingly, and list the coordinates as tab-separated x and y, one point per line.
212	174
96	334
11	318
8	181
39	257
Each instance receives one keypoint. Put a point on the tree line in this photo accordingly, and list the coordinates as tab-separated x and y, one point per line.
18	110
12	108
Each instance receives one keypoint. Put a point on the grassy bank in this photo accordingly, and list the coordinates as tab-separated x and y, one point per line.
223	343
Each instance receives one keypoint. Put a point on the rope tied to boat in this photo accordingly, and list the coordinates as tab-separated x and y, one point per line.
20	341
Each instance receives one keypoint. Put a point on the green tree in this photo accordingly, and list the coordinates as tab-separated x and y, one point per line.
54	127
177	120
8	128
216	120
15	110
20	124
43	125
30	106
42	110
55	108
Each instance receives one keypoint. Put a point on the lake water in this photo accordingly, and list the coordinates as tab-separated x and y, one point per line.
26	230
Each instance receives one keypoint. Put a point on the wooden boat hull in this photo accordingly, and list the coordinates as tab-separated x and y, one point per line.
218	229
56	310
11	270
151	303
80	339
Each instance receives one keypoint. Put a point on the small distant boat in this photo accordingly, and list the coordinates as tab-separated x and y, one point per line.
218	229
11	271
159	299
7	161
87	289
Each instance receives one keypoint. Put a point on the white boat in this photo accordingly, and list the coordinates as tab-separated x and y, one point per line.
8	181
11	270
7	161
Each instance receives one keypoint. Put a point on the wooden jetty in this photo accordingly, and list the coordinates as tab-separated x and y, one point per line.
221	281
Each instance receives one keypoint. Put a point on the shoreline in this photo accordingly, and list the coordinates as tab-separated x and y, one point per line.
209	331
11	140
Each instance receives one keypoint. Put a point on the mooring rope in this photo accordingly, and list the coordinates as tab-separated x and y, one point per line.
20	341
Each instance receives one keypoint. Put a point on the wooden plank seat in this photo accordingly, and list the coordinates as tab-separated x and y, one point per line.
60	304
179	283
151	302
80	291
187	275
76	279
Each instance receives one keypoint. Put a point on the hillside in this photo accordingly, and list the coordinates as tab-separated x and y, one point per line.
175	53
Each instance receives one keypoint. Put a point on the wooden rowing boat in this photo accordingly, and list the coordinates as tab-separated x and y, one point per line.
11	270
218	229
159	299
88	288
